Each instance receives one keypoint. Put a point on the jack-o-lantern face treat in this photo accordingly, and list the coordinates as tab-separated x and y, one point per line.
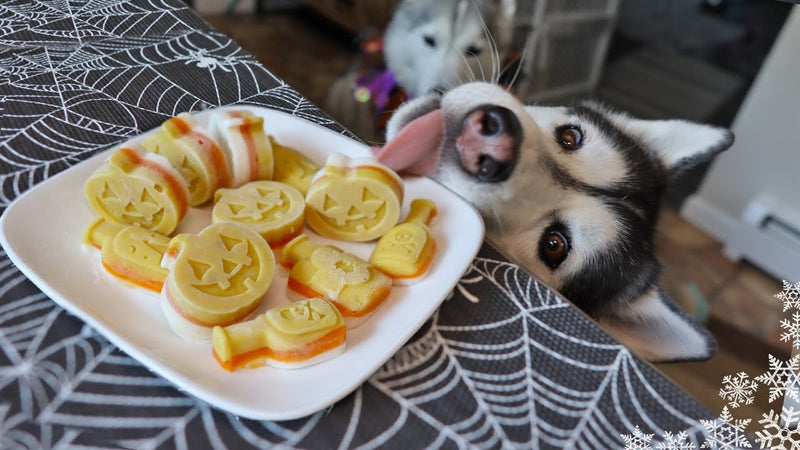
292	167
289	337
242	138
407	250
354	200
274	210
135	254
355	286
217	277
136	187
194	153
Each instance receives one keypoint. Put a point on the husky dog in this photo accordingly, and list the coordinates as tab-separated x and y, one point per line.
434	46
427	46
572	193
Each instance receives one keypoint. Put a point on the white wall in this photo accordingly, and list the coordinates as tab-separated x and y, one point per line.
764	162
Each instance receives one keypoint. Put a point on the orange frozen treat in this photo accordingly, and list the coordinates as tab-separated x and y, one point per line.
407	250
241	135
274	210
129	252
217	277
289	337
135	254
194	153
292	167
355	286
136	187
354	200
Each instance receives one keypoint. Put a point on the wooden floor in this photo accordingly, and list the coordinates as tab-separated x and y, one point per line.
738	298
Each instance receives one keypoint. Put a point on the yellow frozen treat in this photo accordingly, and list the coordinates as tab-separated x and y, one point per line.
241	135
355	286
99	230
136	187
217	277
353	200
274	210
135	254
195	154
290	337
407	250
292	167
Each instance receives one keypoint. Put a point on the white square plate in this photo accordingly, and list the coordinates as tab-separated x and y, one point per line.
41	232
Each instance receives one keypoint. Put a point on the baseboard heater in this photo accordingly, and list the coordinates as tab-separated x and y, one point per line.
767	234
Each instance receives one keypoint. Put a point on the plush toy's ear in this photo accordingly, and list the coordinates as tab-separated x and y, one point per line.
656	329
680	144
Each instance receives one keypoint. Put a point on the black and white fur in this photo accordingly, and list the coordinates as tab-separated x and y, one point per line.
430	46
601	198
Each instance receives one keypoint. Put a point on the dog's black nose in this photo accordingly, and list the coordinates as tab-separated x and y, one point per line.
489	143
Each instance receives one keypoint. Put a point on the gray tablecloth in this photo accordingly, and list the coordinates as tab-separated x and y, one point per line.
518	368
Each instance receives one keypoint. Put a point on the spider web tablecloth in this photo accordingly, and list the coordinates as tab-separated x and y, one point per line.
503	363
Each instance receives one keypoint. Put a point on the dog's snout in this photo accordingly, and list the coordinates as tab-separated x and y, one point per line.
489	142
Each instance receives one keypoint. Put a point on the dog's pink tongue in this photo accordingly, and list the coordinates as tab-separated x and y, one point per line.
415	149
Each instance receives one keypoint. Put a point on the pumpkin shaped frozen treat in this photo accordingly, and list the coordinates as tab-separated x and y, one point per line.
136	187
353	285
217	277
241	135
353	200
274	210
194	153
288	337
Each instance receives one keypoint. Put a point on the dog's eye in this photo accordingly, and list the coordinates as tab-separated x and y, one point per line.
472	51
570	137
429	40
554	247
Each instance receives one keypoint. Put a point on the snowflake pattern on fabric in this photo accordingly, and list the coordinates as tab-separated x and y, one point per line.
781	378
726	432
780	431
792	327
638	440
790	296
738	390
676	442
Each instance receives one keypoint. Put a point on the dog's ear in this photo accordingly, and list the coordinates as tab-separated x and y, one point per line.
657	329
680	144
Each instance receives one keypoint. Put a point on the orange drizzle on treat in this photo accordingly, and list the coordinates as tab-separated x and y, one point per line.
209	147
215	154
331	340
152	285
246	129
176	186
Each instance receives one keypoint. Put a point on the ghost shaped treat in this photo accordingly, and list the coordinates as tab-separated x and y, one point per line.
353	285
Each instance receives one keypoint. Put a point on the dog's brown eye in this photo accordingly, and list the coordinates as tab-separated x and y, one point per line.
570	137
472	51
429	41
553	248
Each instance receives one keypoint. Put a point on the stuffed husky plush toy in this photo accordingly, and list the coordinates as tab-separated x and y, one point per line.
572	193
428	46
